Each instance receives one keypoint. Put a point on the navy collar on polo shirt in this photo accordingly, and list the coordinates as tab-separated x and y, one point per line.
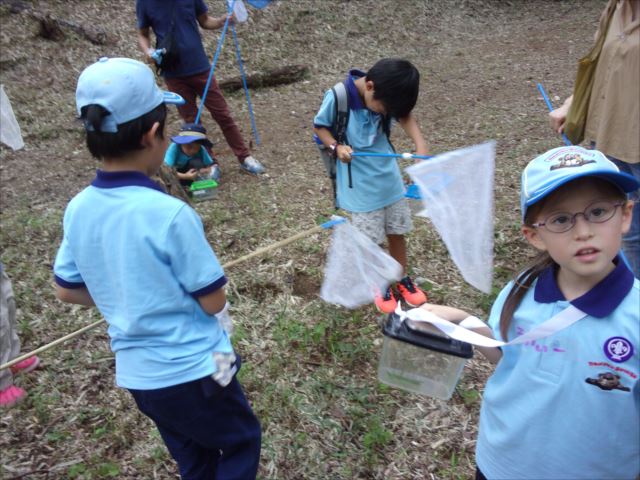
598	302
354	101
124	178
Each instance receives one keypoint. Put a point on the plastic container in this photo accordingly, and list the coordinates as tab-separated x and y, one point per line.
419	358
201	190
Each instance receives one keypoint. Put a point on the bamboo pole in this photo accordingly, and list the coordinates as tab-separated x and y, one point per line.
255	253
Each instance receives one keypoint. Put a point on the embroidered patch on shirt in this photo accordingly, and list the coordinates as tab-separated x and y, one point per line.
618	349
608	381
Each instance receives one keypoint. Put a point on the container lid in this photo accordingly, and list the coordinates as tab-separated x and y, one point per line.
203	185
437	341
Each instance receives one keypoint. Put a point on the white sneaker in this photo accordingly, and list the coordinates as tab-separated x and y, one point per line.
252	165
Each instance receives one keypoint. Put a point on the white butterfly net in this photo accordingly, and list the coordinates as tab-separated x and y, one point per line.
457	195
356	268
9	129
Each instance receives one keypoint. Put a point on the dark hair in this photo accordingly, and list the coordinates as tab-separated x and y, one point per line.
525	278
127	139
396	83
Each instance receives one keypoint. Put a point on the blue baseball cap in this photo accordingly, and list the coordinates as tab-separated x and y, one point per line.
192	132
125	87
562	165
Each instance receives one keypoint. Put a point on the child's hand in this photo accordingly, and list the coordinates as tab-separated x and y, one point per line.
343	152
452	314
192	174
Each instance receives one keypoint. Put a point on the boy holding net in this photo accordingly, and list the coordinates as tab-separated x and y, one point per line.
371	188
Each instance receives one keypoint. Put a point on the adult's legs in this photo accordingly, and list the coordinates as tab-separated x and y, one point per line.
182	87
215	103
631	241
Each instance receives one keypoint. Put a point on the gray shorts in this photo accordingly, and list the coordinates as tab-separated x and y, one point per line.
394	219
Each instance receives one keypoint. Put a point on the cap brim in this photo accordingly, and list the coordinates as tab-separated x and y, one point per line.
172	98
624	181
184	139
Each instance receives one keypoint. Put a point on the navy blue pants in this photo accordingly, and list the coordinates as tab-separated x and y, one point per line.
480	475
210	431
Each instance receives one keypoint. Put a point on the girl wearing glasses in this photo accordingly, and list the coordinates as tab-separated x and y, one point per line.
566	406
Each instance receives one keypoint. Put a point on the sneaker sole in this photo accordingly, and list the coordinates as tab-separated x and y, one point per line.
382	311
30	368
250	172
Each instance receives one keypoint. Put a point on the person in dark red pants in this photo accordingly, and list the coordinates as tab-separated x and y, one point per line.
186	69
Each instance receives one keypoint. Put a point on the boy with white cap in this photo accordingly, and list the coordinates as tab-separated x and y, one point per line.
141	257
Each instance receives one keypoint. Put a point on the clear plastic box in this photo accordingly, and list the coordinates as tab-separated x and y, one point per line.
202	190
419	358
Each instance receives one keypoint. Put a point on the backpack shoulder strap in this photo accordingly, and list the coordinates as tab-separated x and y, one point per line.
342	111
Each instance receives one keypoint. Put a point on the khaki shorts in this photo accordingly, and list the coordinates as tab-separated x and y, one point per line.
394	219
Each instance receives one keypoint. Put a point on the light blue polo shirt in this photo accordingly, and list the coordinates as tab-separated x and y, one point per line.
377	182
566	406
144	258
176	158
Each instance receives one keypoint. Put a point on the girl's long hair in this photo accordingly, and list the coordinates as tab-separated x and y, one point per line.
522	282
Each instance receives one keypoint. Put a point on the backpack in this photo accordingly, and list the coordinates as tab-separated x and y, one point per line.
339	131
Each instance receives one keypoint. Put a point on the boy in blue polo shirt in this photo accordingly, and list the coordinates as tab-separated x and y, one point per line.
141	257
566	406
371	188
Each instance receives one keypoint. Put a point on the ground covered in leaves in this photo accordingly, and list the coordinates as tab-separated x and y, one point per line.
309	368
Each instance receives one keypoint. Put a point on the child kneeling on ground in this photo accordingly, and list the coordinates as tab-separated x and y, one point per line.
371	188
189	155
567	405
142	258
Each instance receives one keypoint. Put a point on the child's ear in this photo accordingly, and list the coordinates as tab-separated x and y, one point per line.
533	237
149	136
369	85
627	215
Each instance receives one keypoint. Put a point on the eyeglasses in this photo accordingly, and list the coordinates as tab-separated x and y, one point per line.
598	212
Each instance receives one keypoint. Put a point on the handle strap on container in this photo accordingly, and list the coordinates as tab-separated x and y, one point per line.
559	321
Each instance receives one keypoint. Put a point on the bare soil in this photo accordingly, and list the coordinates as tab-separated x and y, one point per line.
308	368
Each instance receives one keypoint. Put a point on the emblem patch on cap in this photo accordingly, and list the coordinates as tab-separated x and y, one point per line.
571	160
618	349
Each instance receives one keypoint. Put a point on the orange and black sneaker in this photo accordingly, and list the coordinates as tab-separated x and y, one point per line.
410	292
386	303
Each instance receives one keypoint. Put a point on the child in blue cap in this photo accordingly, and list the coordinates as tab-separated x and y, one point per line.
141	257
566	406
188	155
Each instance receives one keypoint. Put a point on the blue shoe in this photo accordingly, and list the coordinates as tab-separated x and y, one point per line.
252	166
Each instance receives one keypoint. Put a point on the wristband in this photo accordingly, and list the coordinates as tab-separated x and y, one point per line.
334	149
